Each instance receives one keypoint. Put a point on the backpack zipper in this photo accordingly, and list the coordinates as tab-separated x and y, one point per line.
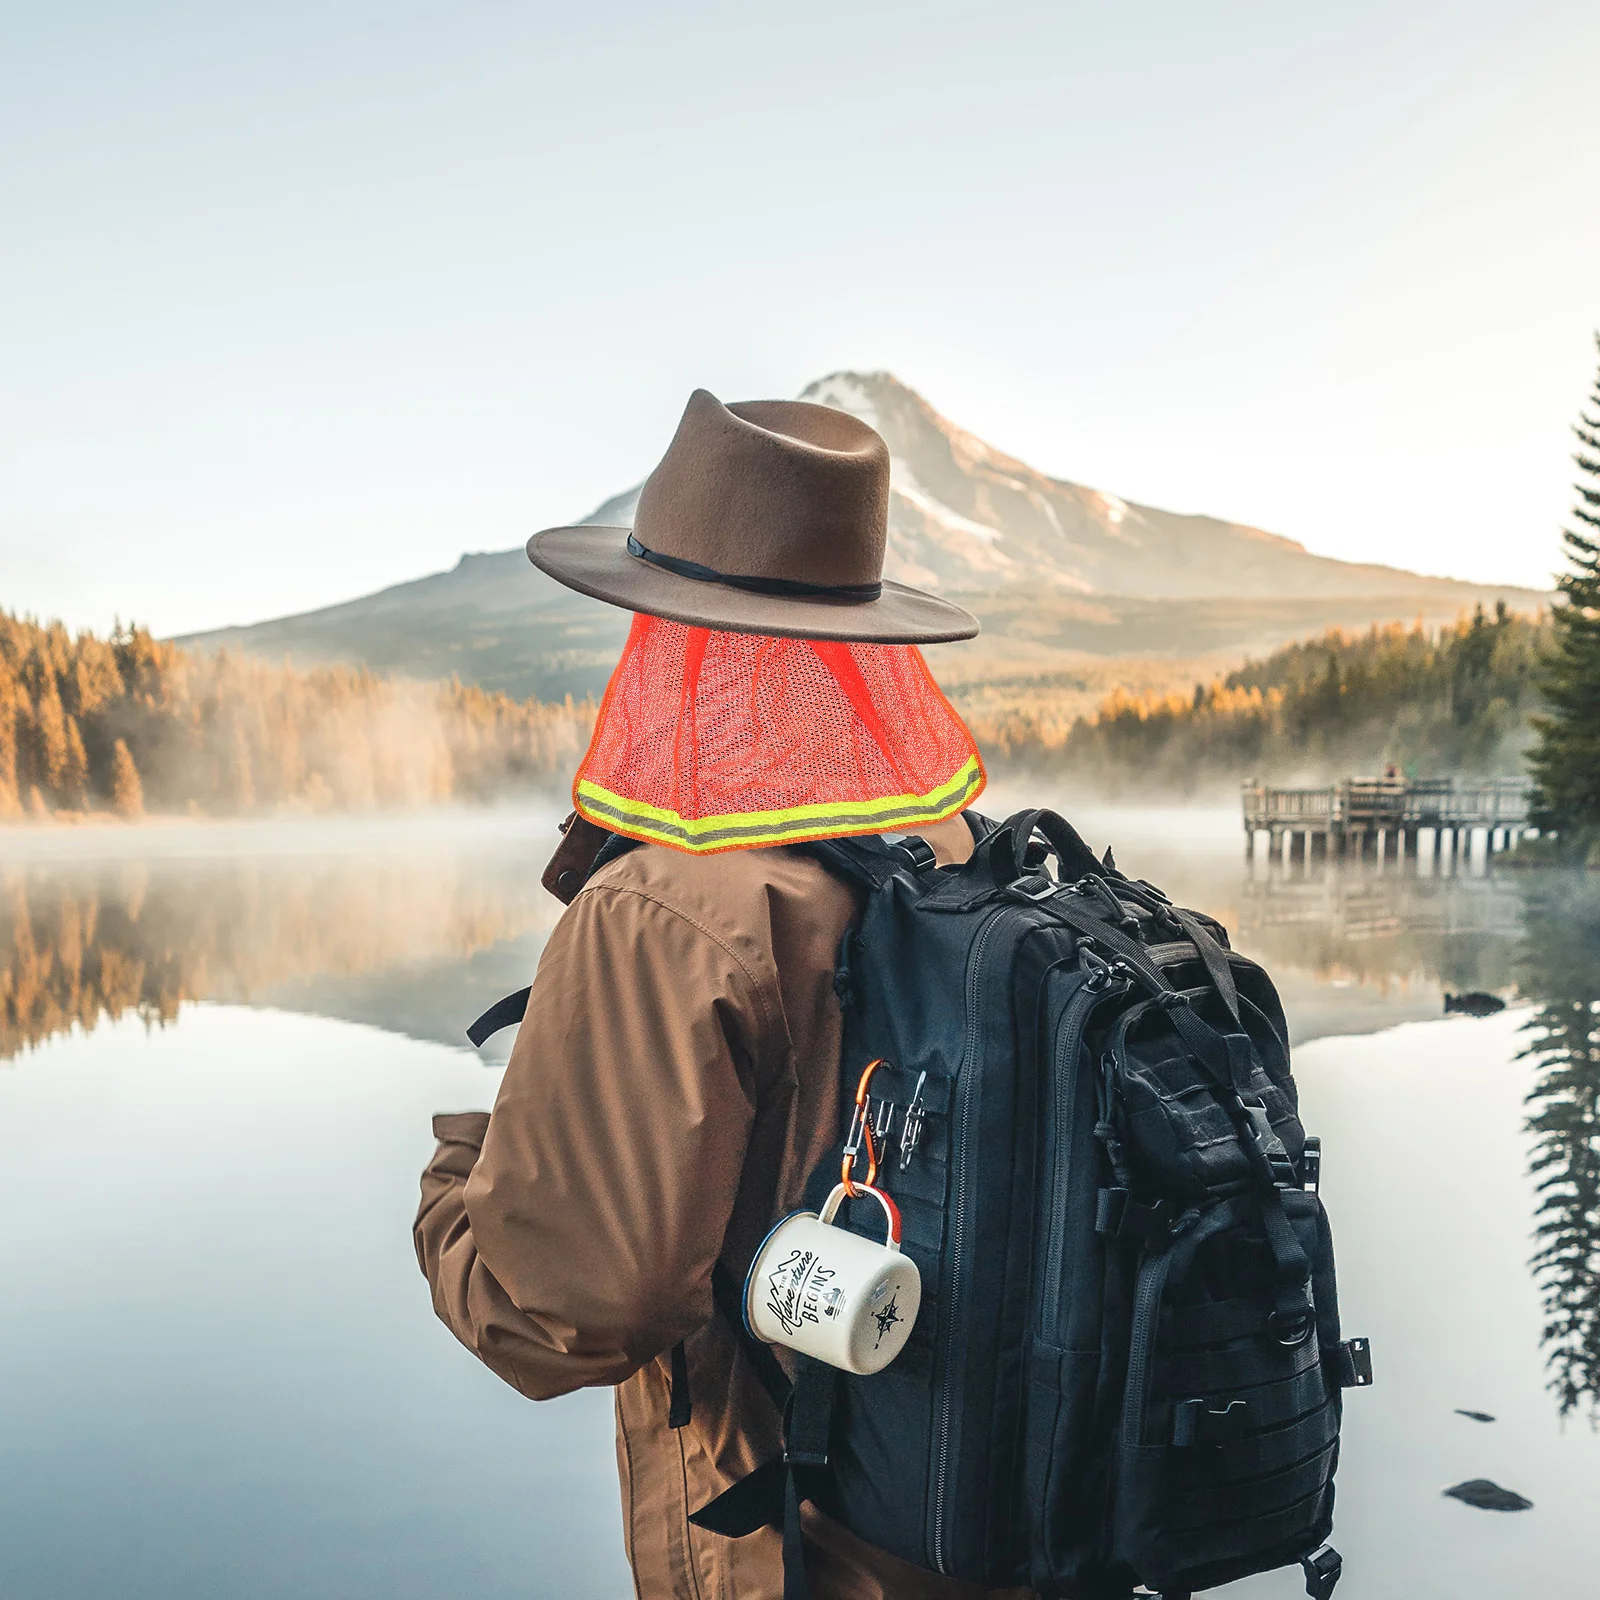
1070	1027
958	1221
1146	1306
1152	1280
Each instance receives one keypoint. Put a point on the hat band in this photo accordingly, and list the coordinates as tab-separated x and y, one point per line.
858	592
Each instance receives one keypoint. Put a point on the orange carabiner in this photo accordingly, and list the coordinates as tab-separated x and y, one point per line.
860	1133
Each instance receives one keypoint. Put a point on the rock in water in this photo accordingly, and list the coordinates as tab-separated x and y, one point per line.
1477	1416
1487	1496
1474	1003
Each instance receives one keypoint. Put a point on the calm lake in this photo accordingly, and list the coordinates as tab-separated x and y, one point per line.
220	1375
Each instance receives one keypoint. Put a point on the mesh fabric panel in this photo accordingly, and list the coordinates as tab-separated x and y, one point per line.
710	740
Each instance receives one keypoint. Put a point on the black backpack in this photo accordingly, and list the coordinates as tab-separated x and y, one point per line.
1127	1367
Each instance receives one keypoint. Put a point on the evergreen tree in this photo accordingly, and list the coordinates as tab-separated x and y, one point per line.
1566	760
10	694
1561	924
49	732
127	793
75	769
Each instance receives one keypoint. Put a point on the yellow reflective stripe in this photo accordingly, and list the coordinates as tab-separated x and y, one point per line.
815	820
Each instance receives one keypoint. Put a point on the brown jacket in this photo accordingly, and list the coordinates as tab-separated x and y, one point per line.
673	1082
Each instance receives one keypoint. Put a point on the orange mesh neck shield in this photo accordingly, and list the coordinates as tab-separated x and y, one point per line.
718	741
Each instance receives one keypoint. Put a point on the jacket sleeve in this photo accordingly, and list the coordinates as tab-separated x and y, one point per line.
569	1237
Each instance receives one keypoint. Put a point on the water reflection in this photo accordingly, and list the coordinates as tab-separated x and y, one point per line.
1559	972
418	941
1341	919
415	944
196	1436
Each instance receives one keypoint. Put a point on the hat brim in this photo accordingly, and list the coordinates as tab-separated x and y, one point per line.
595	561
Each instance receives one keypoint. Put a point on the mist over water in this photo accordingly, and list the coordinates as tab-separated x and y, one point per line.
219	1048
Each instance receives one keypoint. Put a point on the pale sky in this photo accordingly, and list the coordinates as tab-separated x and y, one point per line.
298	300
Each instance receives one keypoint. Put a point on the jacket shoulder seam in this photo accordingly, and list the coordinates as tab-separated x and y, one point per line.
700	927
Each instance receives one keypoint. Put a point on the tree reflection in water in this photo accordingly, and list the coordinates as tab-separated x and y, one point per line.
1560	976
313	933
418	943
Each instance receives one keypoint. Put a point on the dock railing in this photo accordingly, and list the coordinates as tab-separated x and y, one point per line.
1359	811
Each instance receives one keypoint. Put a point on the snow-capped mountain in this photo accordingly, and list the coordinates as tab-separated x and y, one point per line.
1068	568
966	518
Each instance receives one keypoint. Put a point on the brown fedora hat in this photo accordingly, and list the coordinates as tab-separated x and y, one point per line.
769	516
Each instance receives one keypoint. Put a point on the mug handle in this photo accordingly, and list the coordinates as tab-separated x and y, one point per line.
891	1211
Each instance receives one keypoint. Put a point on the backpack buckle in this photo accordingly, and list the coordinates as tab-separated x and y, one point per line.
916	851
1322	1569
1117	1214
1038	896
1311	1165
1267	1140
1198	1422
1352	1363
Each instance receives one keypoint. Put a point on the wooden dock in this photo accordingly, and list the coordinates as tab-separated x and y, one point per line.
1386	818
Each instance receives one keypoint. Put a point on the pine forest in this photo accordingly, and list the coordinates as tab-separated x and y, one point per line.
131	724
1455	700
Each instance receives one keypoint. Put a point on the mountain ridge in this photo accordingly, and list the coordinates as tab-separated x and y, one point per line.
1060	573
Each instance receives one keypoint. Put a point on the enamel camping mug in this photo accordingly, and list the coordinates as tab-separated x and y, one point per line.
832	1294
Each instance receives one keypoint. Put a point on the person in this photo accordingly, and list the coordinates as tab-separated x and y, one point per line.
675	1077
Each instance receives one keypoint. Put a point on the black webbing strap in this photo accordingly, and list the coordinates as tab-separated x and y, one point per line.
1249	1454
1222	1497
805	1454
506	1013
796	1580
1215	958
1005	849
1212	1372
1324	1287
757	1499
1227	1061
1292	1320
680	1409
772	1495
729	1296
867	861
1214	1321
726	1294
1348	1362
509	1012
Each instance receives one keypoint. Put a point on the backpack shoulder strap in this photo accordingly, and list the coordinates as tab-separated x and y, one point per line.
504	1013
728	1294
616	845
870	860
565	875
864	861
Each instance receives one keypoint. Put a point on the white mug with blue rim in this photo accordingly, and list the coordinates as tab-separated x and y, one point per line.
832	1294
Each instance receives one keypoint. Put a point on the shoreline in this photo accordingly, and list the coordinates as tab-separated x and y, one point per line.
104	835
